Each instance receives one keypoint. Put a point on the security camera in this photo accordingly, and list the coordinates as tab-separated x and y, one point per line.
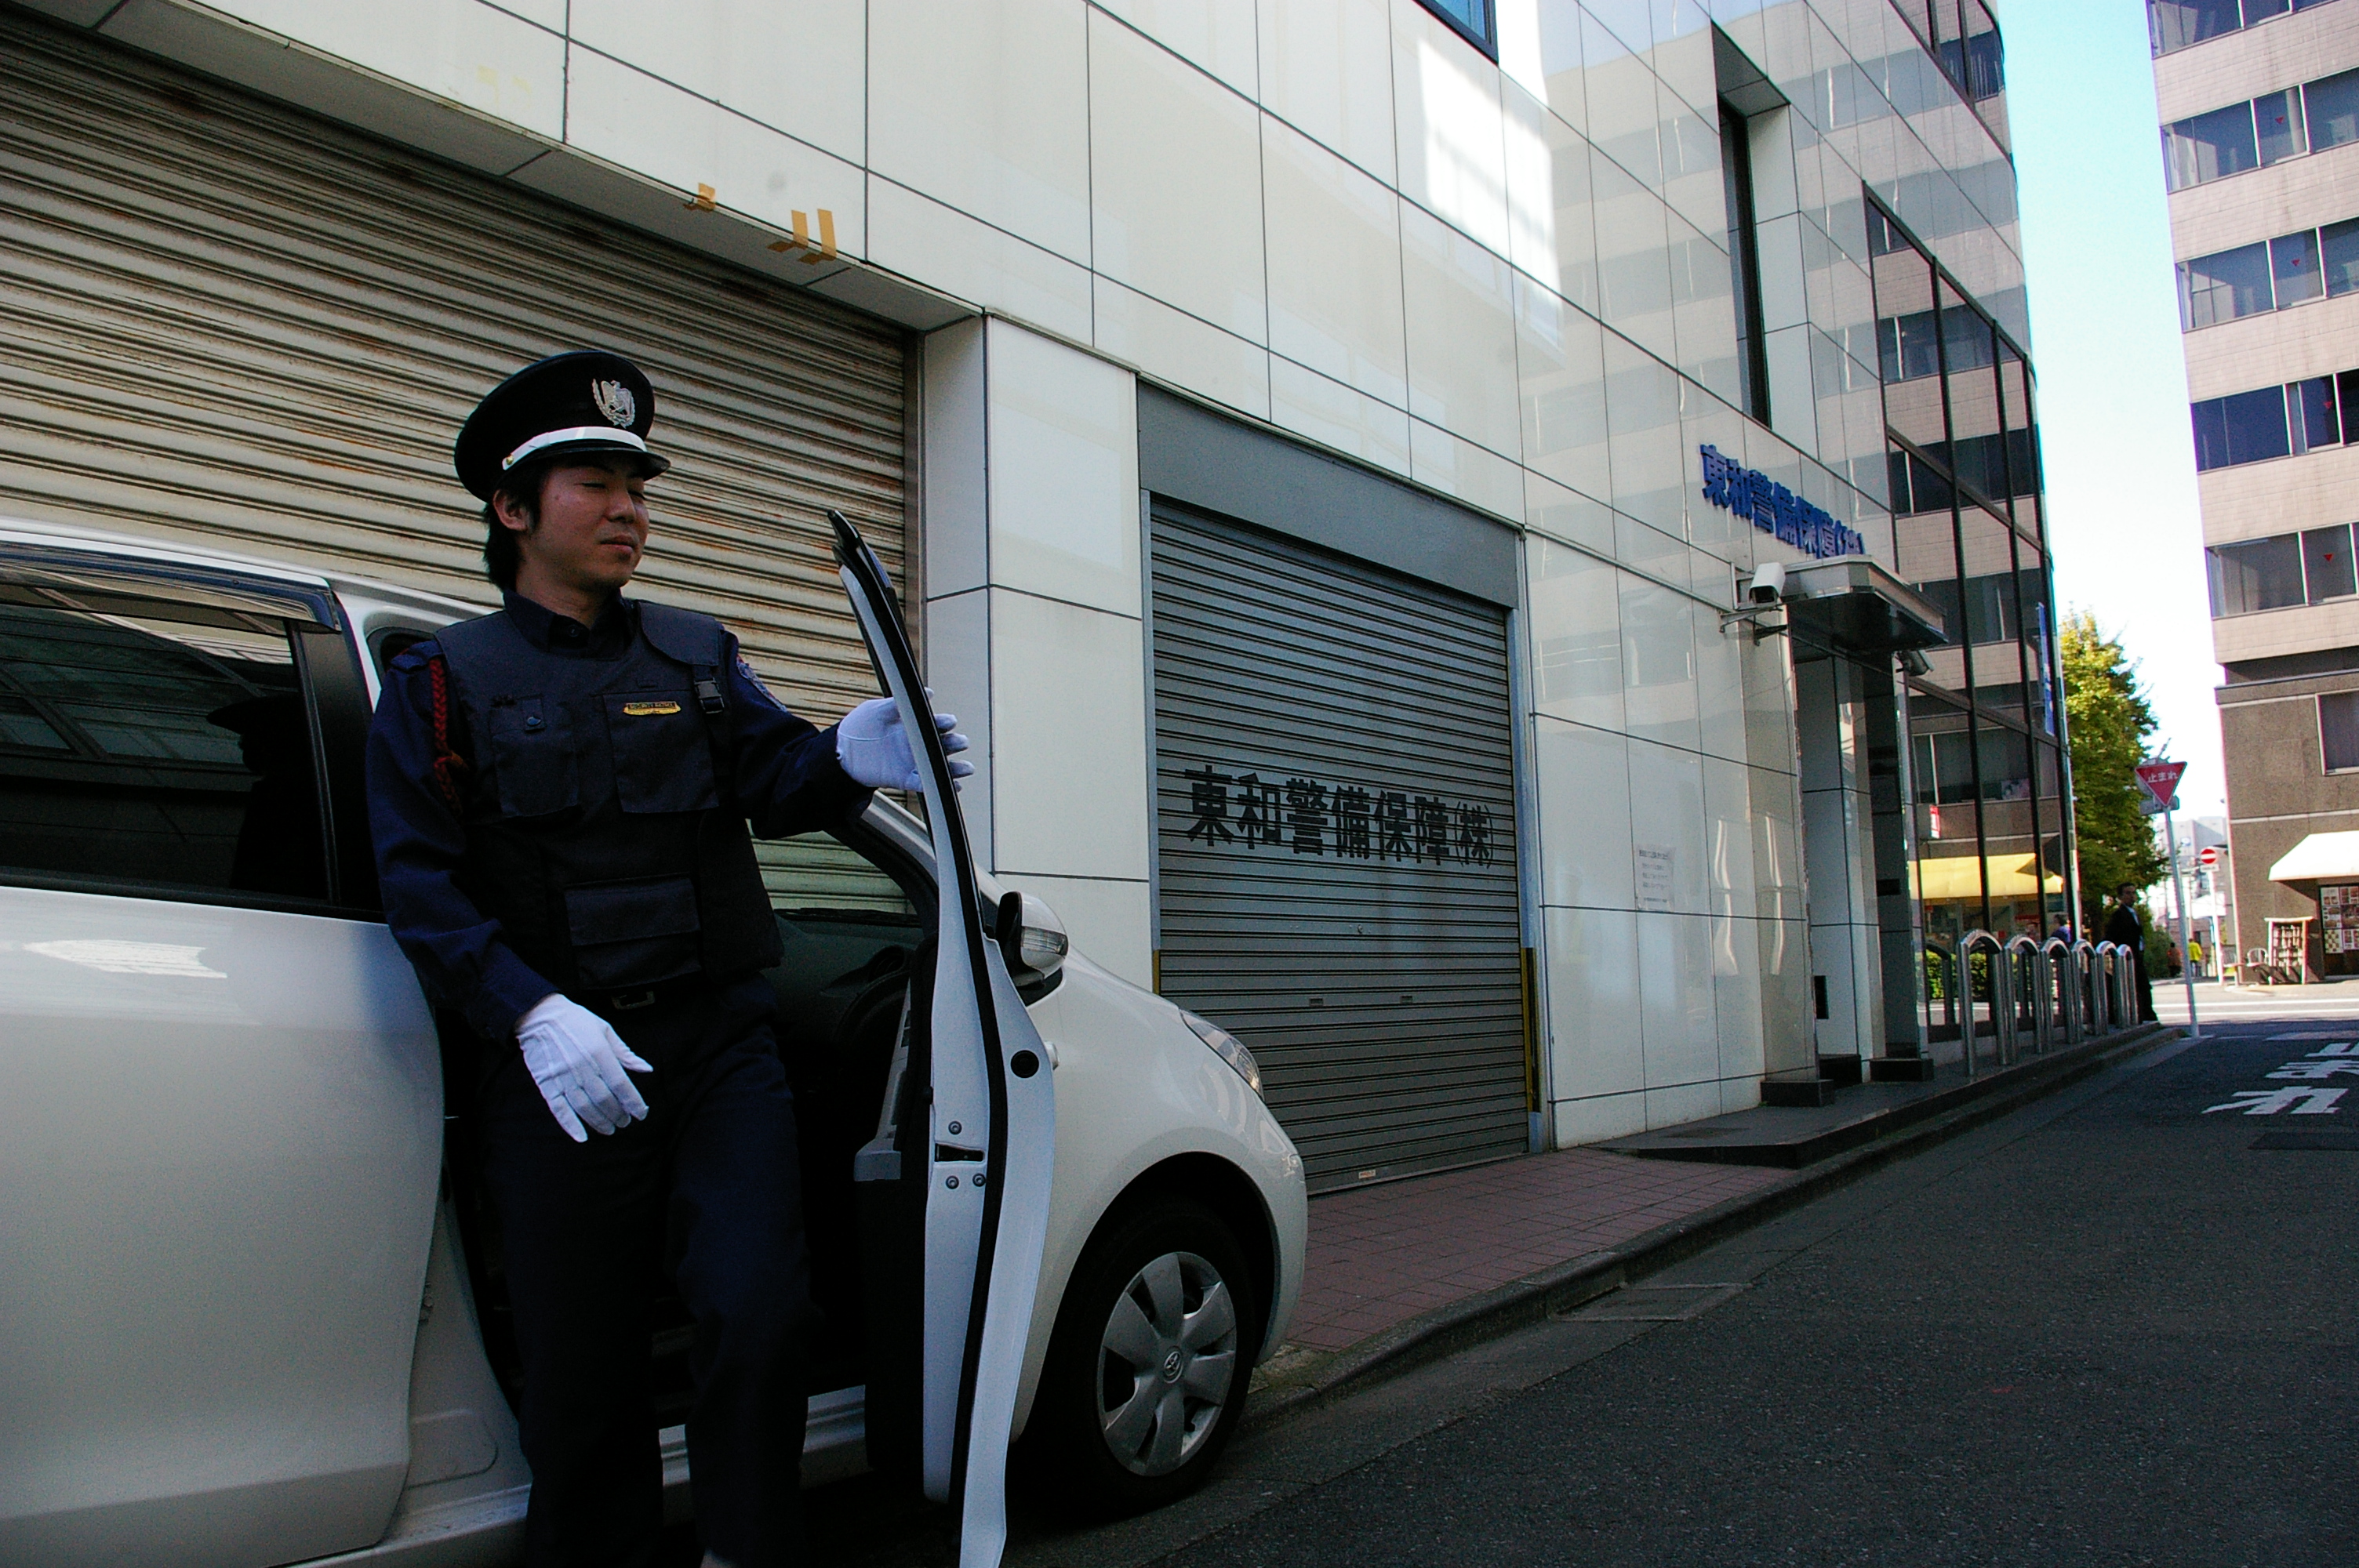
1914	662
1768	585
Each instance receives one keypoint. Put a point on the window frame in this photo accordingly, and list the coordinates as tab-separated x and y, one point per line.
335	705
1487	40
2325	761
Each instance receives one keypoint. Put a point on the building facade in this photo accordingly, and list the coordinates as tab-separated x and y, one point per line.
1329	449
2258	102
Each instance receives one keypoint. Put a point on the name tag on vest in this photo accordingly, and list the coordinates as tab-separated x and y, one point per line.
648	709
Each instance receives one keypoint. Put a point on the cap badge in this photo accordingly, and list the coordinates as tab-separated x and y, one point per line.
614	401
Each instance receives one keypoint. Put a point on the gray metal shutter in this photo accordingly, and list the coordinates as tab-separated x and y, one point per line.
226	320
1336	846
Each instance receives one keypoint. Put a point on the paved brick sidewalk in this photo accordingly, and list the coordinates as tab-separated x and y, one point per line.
1382	1255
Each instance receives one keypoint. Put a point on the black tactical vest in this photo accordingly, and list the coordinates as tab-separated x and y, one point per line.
602	833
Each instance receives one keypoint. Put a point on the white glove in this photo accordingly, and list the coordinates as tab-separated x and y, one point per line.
875	750
578	1060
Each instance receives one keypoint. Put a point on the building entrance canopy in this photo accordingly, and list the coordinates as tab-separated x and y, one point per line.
1852	605
2320	858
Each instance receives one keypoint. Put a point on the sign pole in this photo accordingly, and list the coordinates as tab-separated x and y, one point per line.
2179	894
2160	779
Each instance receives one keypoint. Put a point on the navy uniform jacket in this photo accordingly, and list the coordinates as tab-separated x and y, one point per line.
780	762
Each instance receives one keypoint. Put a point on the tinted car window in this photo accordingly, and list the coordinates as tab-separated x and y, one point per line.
150	745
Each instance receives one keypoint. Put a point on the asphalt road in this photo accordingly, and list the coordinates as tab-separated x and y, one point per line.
2112	1327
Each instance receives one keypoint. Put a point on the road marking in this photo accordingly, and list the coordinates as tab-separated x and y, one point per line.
2341	1034
2268	1102
2340	1048
2318	1070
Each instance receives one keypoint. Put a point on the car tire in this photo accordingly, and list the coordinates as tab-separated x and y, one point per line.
1148	1369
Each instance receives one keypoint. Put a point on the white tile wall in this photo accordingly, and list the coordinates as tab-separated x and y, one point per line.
1338	417
1596	1043
1452	147
1460	469
1334	267
1175	178
1175	347
1461	314
1217	35
727	51
493	62
921	238
1560	365
1585	811
1327	70
985	109
1064	472
642	123
1069	747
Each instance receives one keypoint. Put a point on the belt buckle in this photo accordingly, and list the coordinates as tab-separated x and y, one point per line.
631	1002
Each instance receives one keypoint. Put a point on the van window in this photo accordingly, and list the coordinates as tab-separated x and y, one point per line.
152	745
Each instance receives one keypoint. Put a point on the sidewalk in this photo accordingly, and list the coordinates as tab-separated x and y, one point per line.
1380	1256
1467	1253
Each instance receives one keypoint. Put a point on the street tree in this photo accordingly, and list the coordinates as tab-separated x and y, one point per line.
2110	722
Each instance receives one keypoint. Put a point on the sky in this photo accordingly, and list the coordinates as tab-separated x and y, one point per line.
2124	523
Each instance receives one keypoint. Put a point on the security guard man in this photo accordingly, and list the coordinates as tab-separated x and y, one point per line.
559	794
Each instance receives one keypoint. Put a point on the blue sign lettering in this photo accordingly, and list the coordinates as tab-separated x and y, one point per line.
1774	509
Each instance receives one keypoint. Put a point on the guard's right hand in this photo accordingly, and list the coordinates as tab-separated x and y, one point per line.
579	1062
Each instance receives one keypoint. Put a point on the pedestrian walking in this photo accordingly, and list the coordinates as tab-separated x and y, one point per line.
2126	927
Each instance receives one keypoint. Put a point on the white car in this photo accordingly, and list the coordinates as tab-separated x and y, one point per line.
251	1309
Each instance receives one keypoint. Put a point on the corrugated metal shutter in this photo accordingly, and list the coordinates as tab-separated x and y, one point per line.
1336	861
226	319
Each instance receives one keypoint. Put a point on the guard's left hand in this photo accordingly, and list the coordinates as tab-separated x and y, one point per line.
875	748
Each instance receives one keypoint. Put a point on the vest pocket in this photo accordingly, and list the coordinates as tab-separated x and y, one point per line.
532	757
634	934
663	761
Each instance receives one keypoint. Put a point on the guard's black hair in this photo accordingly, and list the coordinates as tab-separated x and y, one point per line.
522	485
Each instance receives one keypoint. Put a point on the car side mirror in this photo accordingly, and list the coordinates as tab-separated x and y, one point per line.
1031	939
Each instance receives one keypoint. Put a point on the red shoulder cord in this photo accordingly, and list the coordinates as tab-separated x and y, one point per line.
448	765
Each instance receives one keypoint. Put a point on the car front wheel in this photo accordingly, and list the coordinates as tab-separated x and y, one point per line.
1147	1373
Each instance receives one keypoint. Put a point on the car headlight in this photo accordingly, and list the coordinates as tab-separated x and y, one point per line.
1229	1048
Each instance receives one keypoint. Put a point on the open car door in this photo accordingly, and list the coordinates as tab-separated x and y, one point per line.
960	1173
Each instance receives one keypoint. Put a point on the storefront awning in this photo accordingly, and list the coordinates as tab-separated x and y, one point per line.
2321	857
1854	606
1955	878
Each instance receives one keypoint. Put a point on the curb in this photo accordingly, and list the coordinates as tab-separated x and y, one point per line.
1444	1330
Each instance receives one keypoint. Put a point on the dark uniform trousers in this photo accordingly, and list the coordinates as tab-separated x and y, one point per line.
707	1189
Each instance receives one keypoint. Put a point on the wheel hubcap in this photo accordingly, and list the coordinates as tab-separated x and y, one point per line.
1166	1363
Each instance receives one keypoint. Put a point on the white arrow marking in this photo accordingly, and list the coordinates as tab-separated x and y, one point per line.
2268	1102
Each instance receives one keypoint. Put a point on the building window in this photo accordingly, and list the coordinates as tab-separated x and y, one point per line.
2309	409
2276	119
2261	131
2273	275
2275	421
1473	20
2246	427
1743	259
2221	288
2175	25
2326	569
2255	575
2333	109
2204	147
2338	730
1964	37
